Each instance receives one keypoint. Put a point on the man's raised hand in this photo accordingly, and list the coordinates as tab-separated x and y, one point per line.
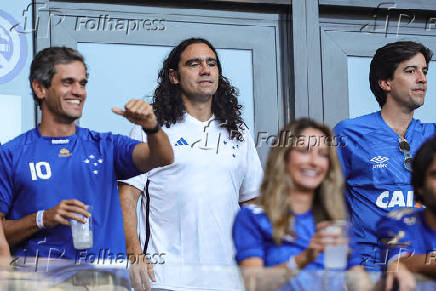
138	112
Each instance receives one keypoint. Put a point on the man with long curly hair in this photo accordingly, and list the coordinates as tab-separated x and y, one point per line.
188	208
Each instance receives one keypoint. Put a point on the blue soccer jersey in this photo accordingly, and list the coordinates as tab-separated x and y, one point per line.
376	178
38	172
405	232
252	236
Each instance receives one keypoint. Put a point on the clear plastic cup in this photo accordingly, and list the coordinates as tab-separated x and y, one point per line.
335	256
82	232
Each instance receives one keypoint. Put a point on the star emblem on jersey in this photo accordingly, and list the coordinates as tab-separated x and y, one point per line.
94	163
235	148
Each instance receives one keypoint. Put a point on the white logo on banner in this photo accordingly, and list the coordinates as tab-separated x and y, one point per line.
12	48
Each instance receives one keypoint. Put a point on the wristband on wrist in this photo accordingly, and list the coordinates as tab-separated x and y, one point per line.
292	265
151	130
40	219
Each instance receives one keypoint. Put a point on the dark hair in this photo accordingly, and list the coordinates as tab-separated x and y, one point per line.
43	65
386	60
420	164
168	103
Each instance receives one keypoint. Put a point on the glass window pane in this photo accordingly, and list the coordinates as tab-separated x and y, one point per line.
238	68
361	100
10	114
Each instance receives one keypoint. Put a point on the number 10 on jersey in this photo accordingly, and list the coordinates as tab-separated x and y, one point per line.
40	170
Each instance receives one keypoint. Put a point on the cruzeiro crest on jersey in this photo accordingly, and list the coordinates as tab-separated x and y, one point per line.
94	163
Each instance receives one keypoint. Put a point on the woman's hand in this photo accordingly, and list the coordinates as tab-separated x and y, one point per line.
325	235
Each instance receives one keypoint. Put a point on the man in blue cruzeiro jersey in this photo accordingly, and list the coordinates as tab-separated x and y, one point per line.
410	234
49	174
379	146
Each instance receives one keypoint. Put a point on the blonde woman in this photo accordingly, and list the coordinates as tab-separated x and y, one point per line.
301	195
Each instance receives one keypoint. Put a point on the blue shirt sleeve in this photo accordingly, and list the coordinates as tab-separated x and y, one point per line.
6	180
123	157
247	236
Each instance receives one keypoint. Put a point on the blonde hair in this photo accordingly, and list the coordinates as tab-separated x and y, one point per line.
328	202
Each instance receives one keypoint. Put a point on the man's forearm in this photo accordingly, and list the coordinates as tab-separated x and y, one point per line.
20	229
160	149
421	264
157	152
129	196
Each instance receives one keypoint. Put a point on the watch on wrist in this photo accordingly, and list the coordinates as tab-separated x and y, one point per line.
151	130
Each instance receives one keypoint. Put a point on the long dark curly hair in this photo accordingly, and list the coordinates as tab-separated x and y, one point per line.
168	104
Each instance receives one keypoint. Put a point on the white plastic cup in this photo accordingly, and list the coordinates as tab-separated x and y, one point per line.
335	256
82	232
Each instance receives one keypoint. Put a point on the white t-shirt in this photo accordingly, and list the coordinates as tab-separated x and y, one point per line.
193	202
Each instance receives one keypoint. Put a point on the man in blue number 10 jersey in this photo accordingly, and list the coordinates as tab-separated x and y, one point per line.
379	146
49	174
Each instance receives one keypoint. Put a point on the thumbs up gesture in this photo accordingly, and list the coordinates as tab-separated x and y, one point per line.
139	112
